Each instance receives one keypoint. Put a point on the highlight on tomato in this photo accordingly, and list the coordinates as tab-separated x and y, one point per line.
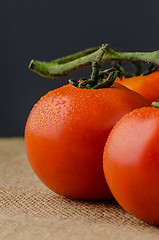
131	163
67	129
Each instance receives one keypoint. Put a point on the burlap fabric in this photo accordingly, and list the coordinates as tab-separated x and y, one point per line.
30	211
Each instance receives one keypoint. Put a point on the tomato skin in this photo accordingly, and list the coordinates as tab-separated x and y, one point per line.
131	163
147	85
65	136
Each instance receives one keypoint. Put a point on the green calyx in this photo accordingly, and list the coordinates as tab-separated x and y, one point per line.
97	77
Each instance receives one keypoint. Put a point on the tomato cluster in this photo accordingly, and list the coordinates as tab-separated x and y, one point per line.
68	130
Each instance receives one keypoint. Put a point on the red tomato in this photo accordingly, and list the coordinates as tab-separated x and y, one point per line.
65	136
147	86
131	163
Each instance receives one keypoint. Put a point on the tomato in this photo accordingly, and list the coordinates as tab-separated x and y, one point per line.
131	163
65	136
147	85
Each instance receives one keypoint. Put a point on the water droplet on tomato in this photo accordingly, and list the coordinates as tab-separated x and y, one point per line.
60	102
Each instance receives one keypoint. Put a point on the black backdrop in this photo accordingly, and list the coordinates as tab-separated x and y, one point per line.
47	29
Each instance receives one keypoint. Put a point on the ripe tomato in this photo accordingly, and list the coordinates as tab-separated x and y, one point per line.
131	163
65	136
147	86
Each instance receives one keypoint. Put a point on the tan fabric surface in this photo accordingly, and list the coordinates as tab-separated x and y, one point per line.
28	210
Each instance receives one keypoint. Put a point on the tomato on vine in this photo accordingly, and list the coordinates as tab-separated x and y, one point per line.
146	85
131	163
67	129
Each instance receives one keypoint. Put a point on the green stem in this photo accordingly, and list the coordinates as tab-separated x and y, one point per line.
97	65
74	56
64	66
155	104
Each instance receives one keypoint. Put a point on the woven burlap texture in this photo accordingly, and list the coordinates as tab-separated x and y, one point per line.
30	211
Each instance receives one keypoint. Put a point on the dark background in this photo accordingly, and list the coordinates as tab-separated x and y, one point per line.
47	29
